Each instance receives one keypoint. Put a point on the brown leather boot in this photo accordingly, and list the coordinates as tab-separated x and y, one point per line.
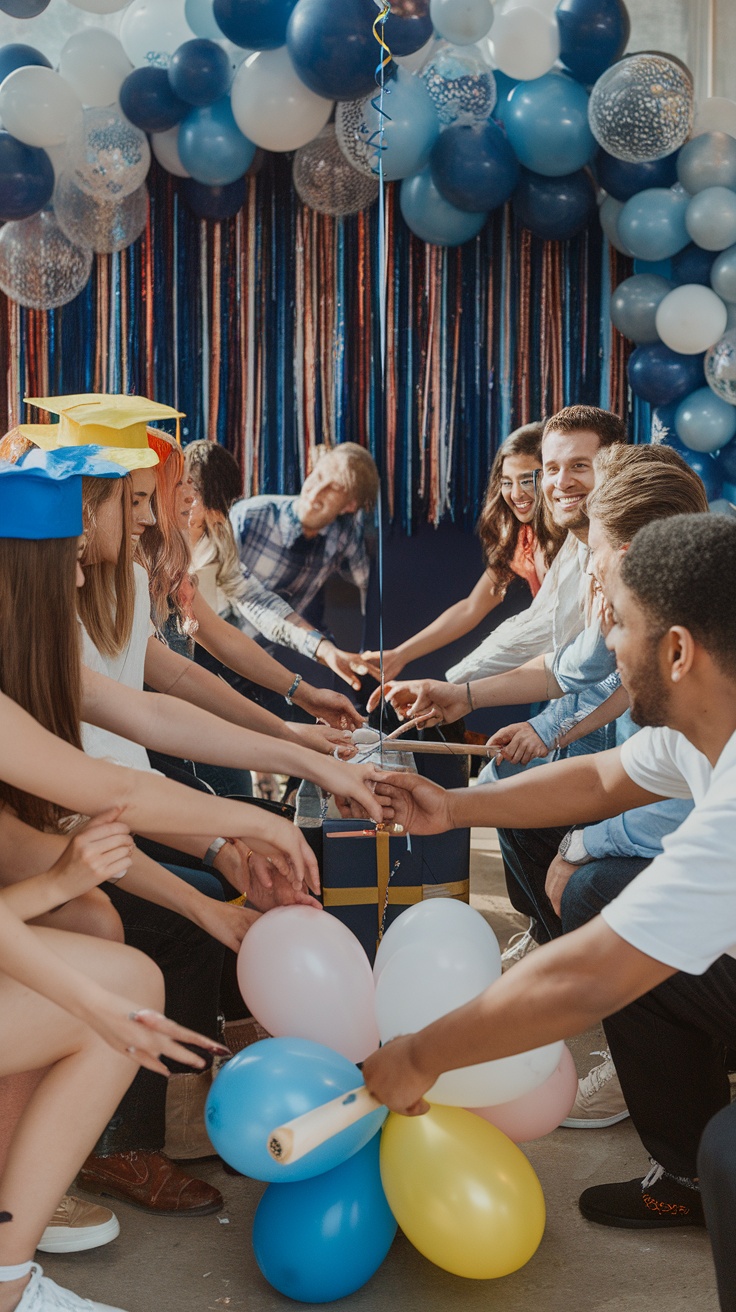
186	1136
239	1034
149	1180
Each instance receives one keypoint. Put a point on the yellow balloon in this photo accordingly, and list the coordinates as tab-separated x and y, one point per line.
463	1193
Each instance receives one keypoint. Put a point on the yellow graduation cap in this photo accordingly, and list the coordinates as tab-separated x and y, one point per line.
117	423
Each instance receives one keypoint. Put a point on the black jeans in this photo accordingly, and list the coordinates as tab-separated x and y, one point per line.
717	1170
527	855
191	962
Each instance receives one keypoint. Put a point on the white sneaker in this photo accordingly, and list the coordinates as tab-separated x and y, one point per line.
44	1295
77	1226
519	946
600	1101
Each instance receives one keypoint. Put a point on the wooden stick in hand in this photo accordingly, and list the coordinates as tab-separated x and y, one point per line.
288	1143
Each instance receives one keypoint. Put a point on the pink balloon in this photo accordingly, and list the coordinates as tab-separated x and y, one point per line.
540	1111
304	975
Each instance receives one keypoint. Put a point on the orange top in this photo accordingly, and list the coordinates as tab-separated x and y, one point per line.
523	562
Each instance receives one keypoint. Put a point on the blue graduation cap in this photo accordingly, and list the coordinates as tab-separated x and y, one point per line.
41	495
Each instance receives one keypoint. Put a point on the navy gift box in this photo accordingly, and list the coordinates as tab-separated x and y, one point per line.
369	876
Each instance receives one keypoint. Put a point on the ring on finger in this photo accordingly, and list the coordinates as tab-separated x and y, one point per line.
131	1050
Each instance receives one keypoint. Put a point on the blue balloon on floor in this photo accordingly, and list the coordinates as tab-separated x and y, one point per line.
554	208
547	125
593	35
659	375
214	203
270	1083
254	24
18	55
692	264
474	167
146	98
211	146
200	72
332	47
652	223
323	1239
704	422
26	179
623	180
433	218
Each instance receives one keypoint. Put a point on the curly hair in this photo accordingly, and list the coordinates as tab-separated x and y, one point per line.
164	552
498	528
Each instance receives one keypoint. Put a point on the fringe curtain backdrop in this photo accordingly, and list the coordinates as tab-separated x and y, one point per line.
264	330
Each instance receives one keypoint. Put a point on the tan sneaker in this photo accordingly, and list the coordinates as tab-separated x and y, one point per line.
600	1101
77	1226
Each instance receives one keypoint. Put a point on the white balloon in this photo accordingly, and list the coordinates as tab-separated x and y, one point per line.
201	19
38	107
524	42
165	146
716	114
272	106
492	1082
95	65
100	6
433	920
423	981
151	30
691	318
463	22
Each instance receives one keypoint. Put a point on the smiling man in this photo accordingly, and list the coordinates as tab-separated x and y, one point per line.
658	962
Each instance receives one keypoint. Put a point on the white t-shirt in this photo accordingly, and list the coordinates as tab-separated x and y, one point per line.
127	667
681	910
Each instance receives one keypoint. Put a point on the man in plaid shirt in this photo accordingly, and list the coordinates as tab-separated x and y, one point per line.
293	545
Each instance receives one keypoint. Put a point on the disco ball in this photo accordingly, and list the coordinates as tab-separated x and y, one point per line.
641	108
39	267
720	367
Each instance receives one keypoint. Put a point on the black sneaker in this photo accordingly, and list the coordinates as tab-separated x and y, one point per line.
658	1202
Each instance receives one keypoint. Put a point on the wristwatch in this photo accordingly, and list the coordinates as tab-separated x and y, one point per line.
215	846
572	848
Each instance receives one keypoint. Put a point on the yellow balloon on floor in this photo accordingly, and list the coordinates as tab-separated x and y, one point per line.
463	1193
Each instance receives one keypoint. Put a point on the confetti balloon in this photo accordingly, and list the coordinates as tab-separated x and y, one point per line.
107	155
720	367
326	182
410	129
642	108
39	267
461	85
99	224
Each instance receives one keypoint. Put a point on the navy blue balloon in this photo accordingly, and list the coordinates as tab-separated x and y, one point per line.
254	24
332	47
554	208
215	203
622	180
659	375
23	8
474	167
664	432
726	462
693	265
593	35
707	469
322	1239
26	179
146	98
18	55
404	36
200	72
504	87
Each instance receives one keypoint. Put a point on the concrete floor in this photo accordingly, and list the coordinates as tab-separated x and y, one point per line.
206	1264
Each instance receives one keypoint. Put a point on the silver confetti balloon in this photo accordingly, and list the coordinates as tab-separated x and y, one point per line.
326	182
39	267
641	108
107	155
720	367
100	225
462	86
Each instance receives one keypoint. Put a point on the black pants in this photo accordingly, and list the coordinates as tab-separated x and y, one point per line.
191	962
527	855
717	1170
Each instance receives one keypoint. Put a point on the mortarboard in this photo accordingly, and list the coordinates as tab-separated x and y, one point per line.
117	423
41	495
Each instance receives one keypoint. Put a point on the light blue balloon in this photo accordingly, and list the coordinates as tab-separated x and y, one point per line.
711	218
634	306
211	146
201	19
652	223
704	422
707	161
547	124
432	218
410	128
462	24
723	275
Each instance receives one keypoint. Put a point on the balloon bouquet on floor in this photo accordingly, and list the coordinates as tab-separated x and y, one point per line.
342	1173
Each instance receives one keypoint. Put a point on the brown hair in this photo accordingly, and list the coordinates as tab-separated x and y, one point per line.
498	527
608	427
107	600
215	474
637	484
40	665
163	551
359	475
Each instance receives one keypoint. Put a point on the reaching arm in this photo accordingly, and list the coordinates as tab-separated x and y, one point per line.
609	710
559	991
517	687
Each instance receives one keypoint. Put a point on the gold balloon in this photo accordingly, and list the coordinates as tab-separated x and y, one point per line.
464	1194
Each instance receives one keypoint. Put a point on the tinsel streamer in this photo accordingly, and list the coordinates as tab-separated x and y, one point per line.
149	292
392	390
124	363
526	311
339	331
249	340
216	334
205	321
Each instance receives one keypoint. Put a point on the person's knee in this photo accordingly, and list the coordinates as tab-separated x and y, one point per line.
717	1151
98	917
137	977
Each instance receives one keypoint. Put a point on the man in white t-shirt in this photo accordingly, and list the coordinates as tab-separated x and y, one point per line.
658	962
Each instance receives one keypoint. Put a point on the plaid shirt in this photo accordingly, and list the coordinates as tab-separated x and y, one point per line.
289	566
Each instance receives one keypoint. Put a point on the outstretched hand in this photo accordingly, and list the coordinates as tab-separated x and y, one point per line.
517	743
418	805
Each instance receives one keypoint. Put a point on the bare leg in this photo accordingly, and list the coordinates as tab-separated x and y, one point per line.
75	1098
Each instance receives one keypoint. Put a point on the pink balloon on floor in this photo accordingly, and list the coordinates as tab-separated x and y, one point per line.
540	1111
304	975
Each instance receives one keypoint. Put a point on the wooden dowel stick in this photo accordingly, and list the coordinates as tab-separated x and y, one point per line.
288	1143
448	749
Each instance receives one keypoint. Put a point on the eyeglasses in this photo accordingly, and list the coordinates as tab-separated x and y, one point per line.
527	484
